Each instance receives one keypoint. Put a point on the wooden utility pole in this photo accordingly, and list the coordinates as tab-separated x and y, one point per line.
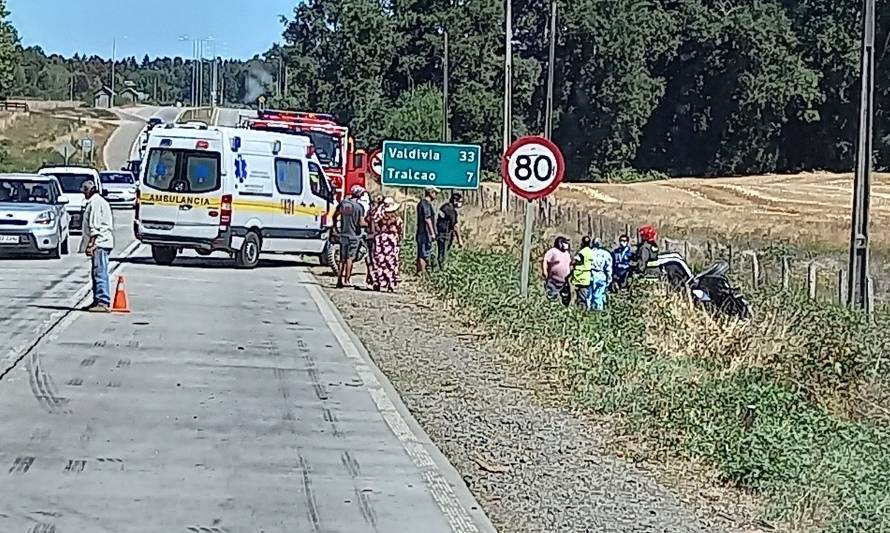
858	294
508	96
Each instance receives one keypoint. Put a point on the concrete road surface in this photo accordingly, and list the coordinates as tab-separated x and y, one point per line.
228	401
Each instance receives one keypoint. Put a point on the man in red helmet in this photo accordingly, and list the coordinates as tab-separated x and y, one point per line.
644	262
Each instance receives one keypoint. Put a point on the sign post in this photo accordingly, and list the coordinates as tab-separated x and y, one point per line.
533	167
423	164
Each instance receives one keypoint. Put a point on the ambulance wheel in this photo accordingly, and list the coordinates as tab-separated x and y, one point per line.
249	254
163	255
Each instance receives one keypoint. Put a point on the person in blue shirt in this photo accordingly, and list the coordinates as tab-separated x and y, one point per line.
601	275
621	259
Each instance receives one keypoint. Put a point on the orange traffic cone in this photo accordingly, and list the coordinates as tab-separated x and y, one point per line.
120	303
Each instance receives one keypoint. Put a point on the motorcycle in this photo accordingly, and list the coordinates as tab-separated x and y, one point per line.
330	257
711	289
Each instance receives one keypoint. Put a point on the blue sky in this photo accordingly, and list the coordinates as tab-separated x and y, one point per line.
240	27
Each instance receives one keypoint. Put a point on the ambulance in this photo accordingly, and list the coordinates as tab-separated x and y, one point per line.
236	191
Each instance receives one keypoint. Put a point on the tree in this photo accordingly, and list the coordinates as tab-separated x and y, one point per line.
8	51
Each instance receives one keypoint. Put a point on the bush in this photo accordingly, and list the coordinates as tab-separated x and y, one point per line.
766	403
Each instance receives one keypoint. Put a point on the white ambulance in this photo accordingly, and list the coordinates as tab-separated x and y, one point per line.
232	190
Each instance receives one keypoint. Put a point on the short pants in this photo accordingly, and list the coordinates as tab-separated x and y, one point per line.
349	246
424	246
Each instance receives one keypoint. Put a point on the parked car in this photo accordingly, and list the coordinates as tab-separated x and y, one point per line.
119	188
33	215
71	178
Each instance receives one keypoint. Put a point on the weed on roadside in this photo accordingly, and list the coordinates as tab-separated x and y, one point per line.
788	405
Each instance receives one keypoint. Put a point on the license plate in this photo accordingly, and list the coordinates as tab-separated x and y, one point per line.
9	239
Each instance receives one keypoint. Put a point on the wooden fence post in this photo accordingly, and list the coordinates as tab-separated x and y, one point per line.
710	251
786	273
755	268
602	229
686	250
842	287
870	297
812	272
730	257
627	229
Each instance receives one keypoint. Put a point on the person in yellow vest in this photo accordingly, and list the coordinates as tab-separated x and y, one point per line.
582	275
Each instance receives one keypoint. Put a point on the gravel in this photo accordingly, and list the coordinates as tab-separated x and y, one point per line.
533	467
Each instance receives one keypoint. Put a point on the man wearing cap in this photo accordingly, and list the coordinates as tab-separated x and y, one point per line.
349	218
97	242
426	228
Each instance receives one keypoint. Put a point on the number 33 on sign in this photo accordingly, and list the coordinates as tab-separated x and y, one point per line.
533	167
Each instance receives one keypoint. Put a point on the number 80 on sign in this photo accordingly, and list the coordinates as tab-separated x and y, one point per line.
533	167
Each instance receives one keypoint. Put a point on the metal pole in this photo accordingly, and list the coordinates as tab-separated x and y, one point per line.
857	280
548	126
113	60
548	132
200	73
194	97
508	95
446	130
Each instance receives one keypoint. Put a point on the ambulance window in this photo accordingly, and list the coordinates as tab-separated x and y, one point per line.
161	169
202	172
318	182
289	176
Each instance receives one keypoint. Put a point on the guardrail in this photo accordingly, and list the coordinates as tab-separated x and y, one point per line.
14	106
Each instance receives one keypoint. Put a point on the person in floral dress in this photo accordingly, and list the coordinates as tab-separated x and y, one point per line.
387	246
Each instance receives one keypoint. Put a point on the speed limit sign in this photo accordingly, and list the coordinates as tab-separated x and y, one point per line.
533	167
376	163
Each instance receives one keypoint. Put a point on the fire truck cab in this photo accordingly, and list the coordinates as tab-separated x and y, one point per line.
343	164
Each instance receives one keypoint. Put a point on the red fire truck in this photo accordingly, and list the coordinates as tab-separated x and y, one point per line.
343	164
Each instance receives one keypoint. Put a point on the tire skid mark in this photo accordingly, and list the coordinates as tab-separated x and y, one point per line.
363	499
311	505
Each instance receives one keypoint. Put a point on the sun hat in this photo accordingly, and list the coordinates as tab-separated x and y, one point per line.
390	205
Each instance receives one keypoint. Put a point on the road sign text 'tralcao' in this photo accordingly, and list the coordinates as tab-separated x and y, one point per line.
420	164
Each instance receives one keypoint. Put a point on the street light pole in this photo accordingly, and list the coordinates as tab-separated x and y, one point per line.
548	113
446	129
508	95
858	293
113	61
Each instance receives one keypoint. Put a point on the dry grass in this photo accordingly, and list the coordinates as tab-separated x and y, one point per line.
810	209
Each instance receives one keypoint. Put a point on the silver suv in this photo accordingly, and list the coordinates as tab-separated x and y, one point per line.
33	218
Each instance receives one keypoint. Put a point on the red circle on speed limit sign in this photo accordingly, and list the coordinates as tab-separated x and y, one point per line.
533	167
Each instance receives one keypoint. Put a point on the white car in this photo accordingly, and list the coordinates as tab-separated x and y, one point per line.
33	218
72	178
119	188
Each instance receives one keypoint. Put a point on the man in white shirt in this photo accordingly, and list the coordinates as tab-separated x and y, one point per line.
97	242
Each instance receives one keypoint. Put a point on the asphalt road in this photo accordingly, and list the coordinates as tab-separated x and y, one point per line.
228	401
121	147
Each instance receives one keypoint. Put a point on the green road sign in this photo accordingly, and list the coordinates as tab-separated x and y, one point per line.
422	164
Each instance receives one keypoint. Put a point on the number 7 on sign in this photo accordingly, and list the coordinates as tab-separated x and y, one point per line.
470	176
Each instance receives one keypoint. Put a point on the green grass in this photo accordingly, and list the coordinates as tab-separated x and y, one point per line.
818	447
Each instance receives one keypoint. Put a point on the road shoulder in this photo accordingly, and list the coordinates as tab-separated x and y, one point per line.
534	467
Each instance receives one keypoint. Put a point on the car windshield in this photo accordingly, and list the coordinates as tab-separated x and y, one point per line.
72	183
117	178
25	192
327	148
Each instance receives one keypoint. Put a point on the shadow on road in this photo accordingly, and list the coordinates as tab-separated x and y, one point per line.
56	308
210	262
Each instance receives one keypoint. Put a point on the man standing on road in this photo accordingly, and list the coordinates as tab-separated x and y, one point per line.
349	219
426	230
97	242
446	227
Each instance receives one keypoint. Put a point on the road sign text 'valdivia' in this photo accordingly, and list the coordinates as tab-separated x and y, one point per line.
418	164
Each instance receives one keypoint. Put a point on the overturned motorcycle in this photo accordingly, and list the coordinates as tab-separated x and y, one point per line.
711	288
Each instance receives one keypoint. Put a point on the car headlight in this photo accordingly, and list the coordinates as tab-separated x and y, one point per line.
46	218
